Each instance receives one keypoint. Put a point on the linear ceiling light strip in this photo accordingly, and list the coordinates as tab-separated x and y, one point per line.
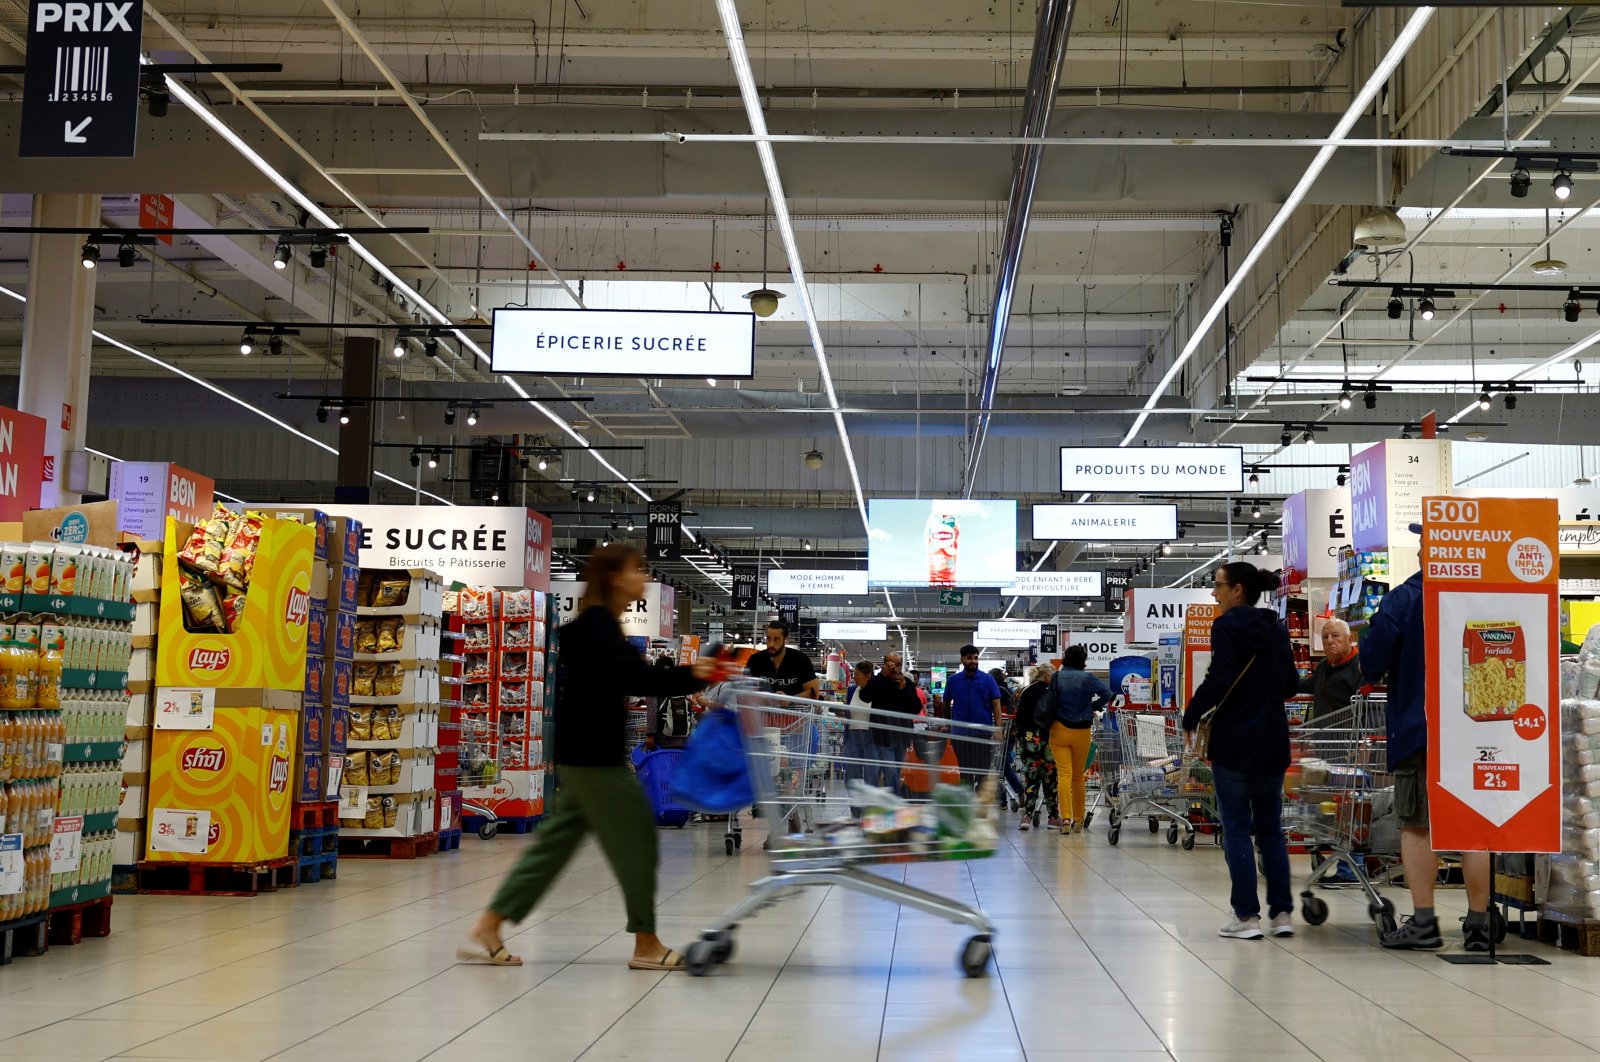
1358	106
1004	141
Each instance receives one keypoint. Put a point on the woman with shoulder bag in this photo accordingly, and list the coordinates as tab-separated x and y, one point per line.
1243	728
1077	694
1033	748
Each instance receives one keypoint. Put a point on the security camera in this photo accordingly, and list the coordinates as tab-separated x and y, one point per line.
764	301
680	138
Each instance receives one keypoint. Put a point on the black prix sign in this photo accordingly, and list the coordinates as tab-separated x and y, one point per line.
664	535
744	590
80	98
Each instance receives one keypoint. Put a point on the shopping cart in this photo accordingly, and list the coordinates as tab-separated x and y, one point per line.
1344	812
853	825
1143	772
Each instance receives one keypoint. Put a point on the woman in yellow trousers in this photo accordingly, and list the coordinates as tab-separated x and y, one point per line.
1076	694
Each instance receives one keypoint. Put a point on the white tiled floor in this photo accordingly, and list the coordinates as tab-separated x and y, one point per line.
1103	953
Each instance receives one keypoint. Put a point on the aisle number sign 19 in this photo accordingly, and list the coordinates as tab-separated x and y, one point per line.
1490	577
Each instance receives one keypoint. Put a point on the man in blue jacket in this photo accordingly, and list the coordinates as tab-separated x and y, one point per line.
1395	651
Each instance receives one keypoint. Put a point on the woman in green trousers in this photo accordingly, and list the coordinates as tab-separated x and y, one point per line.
597	791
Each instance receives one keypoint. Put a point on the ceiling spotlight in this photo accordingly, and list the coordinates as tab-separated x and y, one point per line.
764	301
245	346
1238	510
1339	480
433	459
1396	307
1426	308
1571	310
1166	549
157	99
1521	181
430	346
416	457
1255	480
1183	532
591	494
1405	433
1285	439
813	459
318	254
322	412
344	415
1344	398
1370	396
543	464
496	495
1262	548
1561	185
1483	400
1308	436
126	255
630	523
1255	510
1083	606
91	254
1511	401
275	344
472	416
450	413
281	255
399	348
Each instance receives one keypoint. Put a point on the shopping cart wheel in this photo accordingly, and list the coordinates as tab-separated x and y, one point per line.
975	956
1314	909
1155	824
738	841
727	843
489	829
1384	906
1386	924
1188	841
700	958
1116	820
1116	832
1088	817
1172	834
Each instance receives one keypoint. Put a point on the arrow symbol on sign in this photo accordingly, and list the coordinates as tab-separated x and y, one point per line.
74	135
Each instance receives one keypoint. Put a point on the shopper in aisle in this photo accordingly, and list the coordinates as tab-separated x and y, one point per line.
789	671
891	691
596	790
1033	749
1252	674
1393	652
922	691
1337	675
860	751
1077	694
973	698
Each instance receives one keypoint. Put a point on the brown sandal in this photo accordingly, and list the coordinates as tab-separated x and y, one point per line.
669	961
498	957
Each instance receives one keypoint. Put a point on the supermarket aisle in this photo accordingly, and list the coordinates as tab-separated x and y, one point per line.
1105	953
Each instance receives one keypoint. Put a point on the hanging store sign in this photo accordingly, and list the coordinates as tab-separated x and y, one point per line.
1152	469
789	610
1387	484
80	95
1106	523
1054	584
1118	581
744	589
678	343
1102	647
664	535
1006	632
479	545
1157	610
155	212
21	463
1489	583
1049	638
816	581
151	491
853	632
1316	524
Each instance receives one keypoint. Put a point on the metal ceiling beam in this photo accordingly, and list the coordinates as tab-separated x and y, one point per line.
1044	79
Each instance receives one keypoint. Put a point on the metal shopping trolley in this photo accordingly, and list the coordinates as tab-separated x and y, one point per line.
1344	813
937	800
1143	772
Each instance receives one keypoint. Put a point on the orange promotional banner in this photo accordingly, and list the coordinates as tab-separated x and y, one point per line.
1490	575
1197	621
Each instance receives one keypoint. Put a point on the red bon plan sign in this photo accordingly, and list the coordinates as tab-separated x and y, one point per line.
1489	579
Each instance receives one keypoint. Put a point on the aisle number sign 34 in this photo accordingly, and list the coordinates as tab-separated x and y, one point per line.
1490	576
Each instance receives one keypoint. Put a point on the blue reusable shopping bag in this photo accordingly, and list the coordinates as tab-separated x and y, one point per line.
712	775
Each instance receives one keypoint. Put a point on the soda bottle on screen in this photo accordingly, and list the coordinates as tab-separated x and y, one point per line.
943	536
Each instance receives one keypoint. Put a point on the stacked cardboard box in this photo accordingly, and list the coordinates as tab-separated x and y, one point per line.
129	844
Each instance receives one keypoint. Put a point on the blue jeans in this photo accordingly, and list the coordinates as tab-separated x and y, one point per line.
868	760
1251	806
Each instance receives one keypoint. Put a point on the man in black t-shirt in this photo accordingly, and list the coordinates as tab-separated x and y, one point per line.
789	671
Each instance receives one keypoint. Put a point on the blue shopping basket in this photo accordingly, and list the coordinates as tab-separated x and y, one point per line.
655	771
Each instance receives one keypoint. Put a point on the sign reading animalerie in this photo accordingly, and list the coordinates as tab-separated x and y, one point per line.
1153	469
1489	580
679	343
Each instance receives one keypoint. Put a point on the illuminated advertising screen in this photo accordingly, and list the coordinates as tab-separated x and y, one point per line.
941	542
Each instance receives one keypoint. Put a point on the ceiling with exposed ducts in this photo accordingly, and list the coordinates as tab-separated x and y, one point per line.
597	153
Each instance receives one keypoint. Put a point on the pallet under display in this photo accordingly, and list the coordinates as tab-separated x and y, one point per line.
387	804
65	641
503	648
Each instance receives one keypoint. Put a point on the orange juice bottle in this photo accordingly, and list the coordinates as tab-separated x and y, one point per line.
26	644
52	643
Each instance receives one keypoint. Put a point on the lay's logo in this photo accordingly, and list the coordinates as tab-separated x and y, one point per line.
209	659
204	759
298	607
278	779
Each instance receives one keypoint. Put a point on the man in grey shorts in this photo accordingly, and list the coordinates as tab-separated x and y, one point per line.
1393	651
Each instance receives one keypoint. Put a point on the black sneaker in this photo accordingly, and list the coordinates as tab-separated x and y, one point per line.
1475	935
1414	936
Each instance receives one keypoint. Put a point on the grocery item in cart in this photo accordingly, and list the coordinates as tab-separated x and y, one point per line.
1495	669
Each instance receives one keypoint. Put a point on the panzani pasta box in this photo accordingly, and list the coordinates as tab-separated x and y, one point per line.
1494	666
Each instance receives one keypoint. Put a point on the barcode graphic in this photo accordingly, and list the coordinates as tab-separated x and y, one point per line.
82	75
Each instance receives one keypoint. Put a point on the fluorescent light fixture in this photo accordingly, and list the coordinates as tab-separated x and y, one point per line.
1358	106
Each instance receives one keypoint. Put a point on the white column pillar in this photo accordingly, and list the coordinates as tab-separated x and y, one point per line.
57	328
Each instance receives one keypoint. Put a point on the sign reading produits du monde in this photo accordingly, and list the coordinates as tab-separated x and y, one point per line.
677	343
1151	469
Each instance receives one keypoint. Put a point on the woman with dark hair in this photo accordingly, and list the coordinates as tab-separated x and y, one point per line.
1033	749
1252	674
596	790
1077	695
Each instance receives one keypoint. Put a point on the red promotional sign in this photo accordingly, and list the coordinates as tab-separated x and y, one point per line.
536	553
1489	580
22	463
155	212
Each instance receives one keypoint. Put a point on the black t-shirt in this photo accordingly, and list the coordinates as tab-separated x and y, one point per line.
790	677
885	695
